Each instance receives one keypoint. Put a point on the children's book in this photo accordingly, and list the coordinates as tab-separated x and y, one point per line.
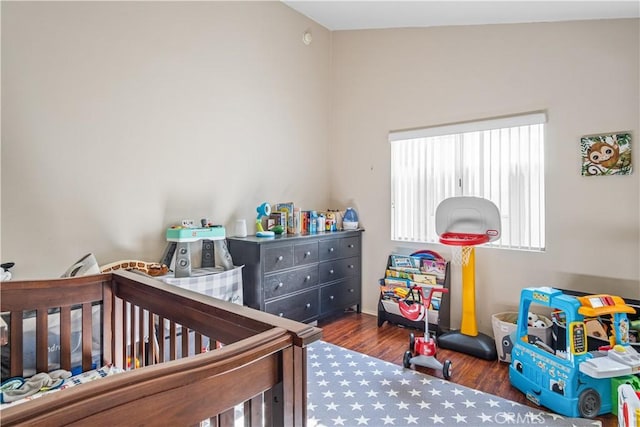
409	278
395	281
404	261
288	208
406	269
436	267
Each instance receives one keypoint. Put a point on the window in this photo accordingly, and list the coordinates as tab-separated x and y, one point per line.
499	159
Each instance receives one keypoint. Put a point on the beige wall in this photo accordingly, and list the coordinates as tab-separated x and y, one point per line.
584	74
121	118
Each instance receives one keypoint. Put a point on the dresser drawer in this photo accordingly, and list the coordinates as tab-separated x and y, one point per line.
350	246
329	271
281	284
278	258
339	295
302	307
305	253
329	249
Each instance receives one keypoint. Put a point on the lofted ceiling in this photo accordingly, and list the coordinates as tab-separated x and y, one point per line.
358	15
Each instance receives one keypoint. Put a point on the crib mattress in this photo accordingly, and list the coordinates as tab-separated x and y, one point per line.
73	381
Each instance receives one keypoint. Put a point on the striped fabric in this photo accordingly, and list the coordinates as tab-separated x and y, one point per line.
224	285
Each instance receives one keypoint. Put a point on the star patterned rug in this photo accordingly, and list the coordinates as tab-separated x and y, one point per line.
346	388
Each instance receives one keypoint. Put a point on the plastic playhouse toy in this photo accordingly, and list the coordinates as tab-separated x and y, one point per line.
466	222
565	377
422	350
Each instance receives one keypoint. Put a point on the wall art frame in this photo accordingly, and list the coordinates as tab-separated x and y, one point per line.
606	154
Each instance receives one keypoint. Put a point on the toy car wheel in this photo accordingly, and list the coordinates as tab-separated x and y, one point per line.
589	403
446	369
406	360
412	342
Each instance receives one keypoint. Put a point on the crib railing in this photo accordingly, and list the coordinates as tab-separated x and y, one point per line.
203	359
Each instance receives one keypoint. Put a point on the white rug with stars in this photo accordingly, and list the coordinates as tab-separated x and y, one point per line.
346	388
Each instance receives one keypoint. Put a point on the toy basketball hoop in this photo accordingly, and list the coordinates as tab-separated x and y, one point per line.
465	222
462	245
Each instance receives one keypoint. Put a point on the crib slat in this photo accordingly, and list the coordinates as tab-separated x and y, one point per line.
125	332
227	418
197	343
253	414
131	354
107	319
65	338
185	342
15	337
142	347
173	338
118	321
42	336
161	339
268	406
153	342
87	332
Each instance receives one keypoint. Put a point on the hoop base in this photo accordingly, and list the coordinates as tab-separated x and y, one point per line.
481	346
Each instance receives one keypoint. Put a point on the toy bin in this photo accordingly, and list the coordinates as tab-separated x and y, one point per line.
504	325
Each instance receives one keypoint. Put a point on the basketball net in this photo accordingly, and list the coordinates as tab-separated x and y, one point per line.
460	255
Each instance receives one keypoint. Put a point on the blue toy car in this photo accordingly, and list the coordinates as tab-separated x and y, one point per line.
566	377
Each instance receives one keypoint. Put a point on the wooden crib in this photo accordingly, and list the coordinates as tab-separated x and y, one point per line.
255	366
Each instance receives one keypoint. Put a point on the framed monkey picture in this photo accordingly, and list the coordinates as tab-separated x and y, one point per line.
607	154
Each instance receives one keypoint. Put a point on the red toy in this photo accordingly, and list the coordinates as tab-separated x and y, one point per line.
422	350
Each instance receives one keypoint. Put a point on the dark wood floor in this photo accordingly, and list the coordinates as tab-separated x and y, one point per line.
360	332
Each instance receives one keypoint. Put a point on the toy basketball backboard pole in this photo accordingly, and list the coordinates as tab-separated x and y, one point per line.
467	222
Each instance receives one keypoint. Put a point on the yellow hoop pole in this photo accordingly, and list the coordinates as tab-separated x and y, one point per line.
468	321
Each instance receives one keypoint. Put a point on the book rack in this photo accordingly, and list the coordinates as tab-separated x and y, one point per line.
388	311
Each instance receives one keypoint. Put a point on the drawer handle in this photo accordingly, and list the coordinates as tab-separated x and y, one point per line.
352	290
331	271
281	314
351	245
351	265
280	284
308	305
306	279
280	258
331	297
330	249
307	254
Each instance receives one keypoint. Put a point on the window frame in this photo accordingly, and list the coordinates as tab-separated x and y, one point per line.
533	163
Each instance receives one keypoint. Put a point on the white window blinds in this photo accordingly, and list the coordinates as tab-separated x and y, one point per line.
499	159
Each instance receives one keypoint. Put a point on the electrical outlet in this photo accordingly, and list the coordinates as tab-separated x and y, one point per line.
187	223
